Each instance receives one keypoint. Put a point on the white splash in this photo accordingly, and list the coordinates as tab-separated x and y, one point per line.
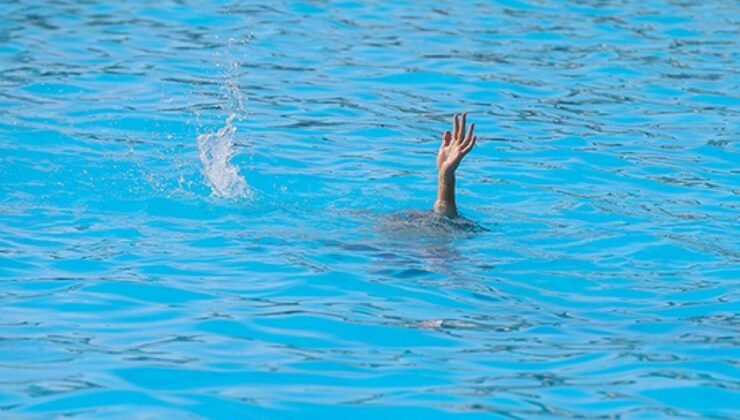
216	150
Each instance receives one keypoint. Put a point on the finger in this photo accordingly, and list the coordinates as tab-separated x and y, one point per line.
470	146
469	137
446	138
455	125
461	134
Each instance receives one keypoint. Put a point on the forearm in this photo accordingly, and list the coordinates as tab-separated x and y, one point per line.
445	204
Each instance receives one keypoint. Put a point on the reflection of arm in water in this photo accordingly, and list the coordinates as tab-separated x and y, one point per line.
454	147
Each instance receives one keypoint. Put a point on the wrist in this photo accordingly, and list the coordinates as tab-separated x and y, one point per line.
446	175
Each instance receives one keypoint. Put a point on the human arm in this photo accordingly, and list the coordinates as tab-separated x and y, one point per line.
455	145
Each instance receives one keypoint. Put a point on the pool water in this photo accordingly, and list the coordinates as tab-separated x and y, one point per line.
214	209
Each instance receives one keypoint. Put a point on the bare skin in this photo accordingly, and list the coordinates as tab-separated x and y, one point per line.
455	146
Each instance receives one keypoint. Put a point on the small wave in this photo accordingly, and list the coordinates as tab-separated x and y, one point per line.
222	176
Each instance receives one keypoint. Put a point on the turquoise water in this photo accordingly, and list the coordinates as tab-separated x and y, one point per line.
204	209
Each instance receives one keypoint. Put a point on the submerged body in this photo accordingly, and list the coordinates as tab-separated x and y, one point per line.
424	223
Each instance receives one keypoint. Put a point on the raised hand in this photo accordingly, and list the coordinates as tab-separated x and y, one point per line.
455	145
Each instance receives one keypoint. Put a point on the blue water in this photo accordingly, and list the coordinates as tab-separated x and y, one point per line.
210	209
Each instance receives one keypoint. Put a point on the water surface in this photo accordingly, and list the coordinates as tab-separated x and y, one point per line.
204	209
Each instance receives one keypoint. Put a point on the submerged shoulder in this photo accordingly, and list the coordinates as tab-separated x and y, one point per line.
430	222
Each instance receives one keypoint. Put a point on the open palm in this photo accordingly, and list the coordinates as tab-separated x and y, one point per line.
455	145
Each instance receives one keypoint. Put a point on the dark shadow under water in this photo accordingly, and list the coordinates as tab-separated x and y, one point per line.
427	239
427	224
406	239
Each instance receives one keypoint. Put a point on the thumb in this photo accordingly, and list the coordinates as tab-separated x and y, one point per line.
446	138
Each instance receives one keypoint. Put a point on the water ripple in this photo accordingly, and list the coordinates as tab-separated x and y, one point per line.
222	209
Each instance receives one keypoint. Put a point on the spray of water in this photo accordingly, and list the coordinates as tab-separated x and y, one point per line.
216	150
